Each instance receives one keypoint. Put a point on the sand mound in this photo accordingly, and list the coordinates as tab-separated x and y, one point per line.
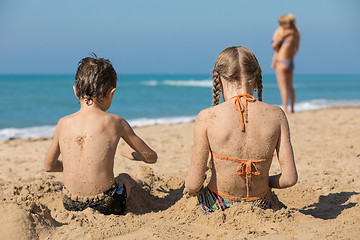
33	222
15	223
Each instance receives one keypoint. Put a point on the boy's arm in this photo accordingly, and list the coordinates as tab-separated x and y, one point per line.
288	176
142	151
200	155
51	162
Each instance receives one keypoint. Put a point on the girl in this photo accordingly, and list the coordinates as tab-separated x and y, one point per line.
241	135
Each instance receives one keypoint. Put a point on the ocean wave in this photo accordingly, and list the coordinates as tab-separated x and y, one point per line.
150	83
181	83
189	83
199	83
323	103
140	122
41	131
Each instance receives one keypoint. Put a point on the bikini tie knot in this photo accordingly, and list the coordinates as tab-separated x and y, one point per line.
246	168
242	107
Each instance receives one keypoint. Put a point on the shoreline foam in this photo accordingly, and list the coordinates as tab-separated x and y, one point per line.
44	131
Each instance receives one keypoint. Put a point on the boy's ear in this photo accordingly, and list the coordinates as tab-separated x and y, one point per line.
111	92
75	92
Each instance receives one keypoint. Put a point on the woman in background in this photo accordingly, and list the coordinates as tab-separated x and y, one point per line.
285	44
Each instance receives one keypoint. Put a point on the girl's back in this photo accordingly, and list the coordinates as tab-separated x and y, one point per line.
241	136
257	142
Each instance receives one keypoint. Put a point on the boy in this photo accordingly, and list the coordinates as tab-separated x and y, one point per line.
87	142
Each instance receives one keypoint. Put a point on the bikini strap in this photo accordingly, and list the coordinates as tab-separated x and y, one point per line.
235	198
242	107
245	168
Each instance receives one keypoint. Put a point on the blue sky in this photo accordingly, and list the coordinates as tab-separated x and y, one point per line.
164	36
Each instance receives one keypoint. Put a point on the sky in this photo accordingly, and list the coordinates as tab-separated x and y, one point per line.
172	37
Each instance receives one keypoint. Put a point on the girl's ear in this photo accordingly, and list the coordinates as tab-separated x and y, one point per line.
75	92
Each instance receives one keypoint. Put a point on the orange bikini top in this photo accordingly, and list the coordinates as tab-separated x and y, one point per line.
242	107
246	167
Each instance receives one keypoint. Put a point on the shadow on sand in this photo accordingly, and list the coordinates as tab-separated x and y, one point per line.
144	197
329	206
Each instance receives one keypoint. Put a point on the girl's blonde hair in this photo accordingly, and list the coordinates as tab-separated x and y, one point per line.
234	64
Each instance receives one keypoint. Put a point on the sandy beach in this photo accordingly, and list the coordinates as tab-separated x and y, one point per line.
324	204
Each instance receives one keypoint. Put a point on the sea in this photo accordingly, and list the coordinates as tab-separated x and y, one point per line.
31	105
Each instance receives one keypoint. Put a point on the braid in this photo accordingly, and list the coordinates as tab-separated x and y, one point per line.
216	88
260	87
259	83
251	69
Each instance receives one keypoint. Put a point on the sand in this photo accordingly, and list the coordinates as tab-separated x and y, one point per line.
324	204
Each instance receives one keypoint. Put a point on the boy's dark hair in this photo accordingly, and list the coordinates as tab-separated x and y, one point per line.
94	77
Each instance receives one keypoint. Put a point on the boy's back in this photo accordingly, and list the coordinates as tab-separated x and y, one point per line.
88	142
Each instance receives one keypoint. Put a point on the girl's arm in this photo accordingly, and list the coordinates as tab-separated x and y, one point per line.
51	162
142	151
288	176
195	179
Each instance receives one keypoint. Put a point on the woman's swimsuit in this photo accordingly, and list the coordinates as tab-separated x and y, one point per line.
112	201
211	199
289	63
288	42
